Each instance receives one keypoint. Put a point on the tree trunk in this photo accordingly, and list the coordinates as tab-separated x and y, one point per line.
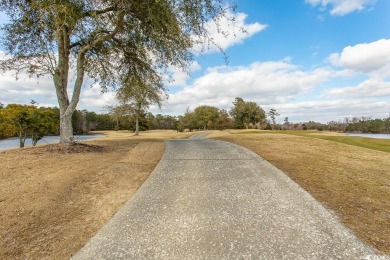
34	139
136	125
66	130
61	76
116	128
84	127
22	140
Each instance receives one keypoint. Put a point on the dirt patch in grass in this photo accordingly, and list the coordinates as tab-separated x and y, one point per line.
352	181
54	198
72	148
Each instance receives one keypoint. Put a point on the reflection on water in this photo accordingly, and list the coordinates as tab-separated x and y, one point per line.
14	142
376	136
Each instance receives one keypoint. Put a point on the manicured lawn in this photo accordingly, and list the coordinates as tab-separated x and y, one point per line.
370	143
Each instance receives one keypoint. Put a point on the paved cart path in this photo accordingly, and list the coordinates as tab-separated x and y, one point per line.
209	199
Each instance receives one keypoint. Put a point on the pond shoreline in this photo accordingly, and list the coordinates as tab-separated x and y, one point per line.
13	142
369	135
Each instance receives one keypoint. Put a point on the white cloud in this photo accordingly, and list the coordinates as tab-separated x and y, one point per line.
180	77
42	90
228	31
368	88
328	110
372	58
334	59
342	7
25	89
263	82
92	98
274	84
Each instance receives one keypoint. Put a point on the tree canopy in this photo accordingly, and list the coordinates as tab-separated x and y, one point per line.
27	120
103	40
245	113
206	116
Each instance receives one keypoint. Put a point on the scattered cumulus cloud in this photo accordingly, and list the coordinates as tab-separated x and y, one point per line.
281	84
178	77
92	98
235	31
229	30
286	86
263	82
342	7
42	90
367	88
329	110
334	59
26	88
372	58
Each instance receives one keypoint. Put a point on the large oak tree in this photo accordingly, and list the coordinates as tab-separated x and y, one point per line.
102	40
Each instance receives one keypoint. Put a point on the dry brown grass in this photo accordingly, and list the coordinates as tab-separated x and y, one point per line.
54	198
147	135
49	208
352	181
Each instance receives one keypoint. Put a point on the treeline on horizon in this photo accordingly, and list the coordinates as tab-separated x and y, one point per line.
31	120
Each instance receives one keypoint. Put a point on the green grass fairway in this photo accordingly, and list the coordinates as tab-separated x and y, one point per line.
370	143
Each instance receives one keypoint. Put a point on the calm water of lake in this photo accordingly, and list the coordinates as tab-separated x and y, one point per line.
376	136
14	142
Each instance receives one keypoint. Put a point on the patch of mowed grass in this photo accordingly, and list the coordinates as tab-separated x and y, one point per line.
365	142
370	143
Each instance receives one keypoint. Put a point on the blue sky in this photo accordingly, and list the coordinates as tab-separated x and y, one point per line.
315	60
308	33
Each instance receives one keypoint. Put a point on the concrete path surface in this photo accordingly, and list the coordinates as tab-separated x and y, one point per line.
209	199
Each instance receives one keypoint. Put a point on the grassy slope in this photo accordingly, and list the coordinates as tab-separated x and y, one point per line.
352	181
370	143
